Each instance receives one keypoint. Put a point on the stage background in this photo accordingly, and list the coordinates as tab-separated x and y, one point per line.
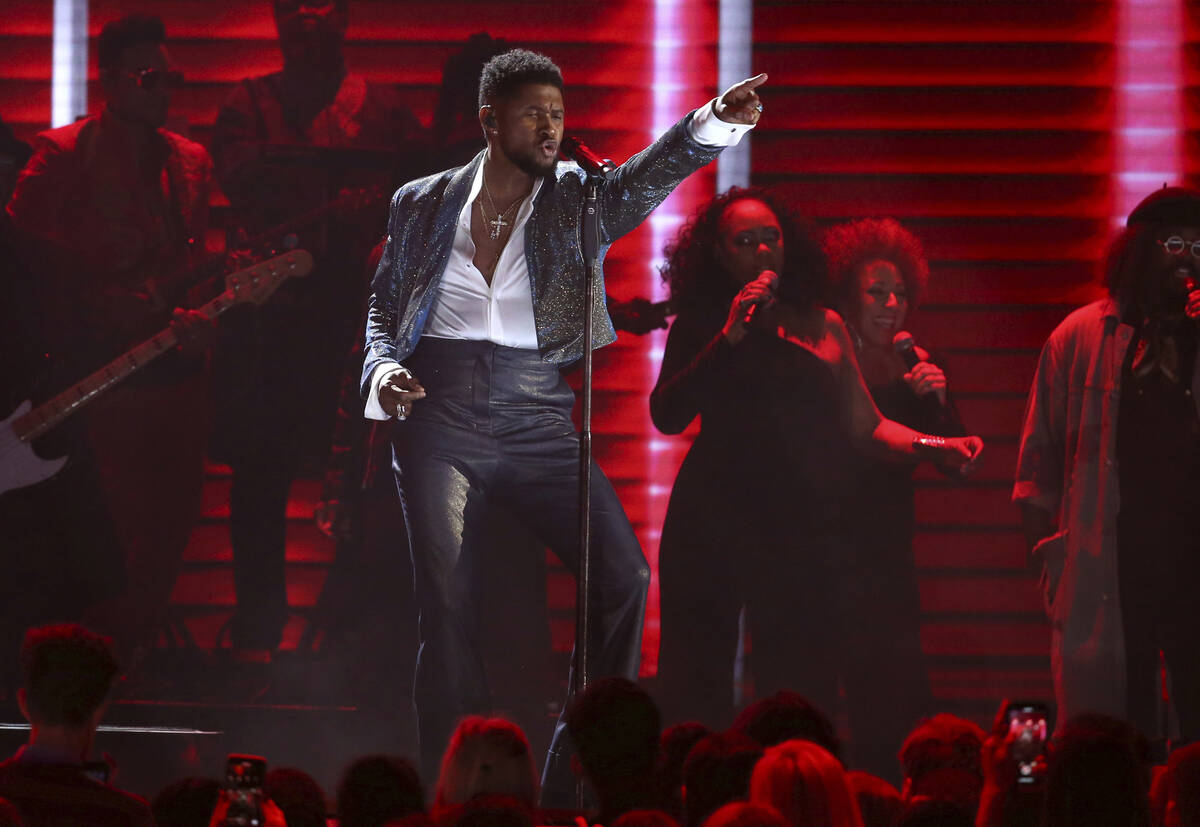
985	127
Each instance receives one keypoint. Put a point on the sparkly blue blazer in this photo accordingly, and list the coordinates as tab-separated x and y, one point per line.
421	227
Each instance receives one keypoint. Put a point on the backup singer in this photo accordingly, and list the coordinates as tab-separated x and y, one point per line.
757	515
1108	477
879	274
480	295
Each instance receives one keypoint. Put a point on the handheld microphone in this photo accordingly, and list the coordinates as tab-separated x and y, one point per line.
576	150
772	277
905	345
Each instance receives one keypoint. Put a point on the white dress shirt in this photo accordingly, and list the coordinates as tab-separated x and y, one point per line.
467	307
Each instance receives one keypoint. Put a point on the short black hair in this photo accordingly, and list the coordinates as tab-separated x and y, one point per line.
787	715
379	788
505	73
931	812
1098	773
615	726
943	742
342	5
126	32
718	771
298	795
187	802
673	748
66	671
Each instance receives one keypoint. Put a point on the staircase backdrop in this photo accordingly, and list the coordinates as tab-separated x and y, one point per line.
985	126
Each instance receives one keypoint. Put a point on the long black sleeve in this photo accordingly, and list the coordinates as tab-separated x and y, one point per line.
694	361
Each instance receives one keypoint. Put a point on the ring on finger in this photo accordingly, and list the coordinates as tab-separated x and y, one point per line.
758	107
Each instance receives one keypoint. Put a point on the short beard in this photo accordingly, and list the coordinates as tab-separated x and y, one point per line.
529	166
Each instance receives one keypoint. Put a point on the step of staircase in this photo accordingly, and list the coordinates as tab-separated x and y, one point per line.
203	600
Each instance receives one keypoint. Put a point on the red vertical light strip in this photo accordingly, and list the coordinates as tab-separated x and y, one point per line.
1148	125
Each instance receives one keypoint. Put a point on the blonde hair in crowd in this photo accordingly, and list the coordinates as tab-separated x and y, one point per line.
488	756
806	785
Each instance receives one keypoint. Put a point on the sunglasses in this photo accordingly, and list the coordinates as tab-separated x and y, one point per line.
151	79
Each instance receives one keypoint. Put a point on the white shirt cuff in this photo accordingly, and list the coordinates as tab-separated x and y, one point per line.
373	409
709	130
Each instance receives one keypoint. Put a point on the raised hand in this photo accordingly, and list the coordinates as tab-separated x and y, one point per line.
760	291
740	103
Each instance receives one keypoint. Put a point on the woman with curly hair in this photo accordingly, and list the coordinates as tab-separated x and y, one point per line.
878	274
756	516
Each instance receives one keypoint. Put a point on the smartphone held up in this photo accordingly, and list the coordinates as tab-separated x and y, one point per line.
1026	732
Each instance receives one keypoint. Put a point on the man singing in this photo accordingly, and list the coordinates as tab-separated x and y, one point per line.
480	295
1109	476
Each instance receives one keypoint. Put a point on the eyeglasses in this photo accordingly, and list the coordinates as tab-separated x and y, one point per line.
151	79
1176	246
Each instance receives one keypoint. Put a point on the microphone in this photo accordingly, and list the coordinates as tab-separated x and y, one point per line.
772	277
904	344
575	149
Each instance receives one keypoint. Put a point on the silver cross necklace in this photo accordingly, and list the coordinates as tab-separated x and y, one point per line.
498	223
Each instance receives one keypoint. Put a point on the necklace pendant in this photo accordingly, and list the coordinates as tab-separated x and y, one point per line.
498	224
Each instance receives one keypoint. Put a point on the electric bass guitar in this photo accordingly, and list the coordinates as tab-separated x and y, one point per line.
21	467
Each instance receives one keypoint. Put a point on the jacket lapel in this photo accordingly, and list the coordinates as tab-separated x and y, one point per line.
440	229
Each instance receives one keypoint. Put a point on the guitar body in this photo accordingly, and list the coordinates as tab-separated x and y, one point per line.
19	465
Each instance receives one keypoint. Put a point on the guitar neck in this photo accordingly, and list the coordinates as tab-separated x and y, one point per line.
50	413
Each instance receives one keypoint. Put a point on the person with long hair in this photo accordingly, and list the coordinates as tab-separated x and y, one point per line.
486	756
756	517
1108	477
879	274
806	785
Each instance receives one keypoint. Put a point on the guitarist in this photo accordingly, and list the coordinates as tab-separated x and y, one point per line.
106	207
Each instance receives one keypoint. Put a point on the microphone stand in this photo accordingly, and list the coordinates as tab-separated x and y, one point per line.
591	263
591	266
597	170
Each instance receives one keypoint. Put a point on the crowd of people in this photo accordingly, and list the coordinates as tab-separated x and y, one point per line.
779	764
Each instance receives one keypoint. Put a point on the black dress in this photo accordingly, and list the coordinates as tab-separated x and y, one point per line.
774	509
755	518
885	681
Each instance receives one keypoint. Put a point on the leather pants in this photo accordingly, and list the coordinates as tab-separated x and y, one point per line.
496	426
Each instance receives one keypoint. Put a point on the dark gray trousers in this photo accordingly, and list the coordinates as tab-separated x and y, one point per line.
495	427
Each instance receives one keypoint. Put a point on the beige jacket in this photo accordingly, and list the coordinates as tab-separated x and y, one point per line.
1068	466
